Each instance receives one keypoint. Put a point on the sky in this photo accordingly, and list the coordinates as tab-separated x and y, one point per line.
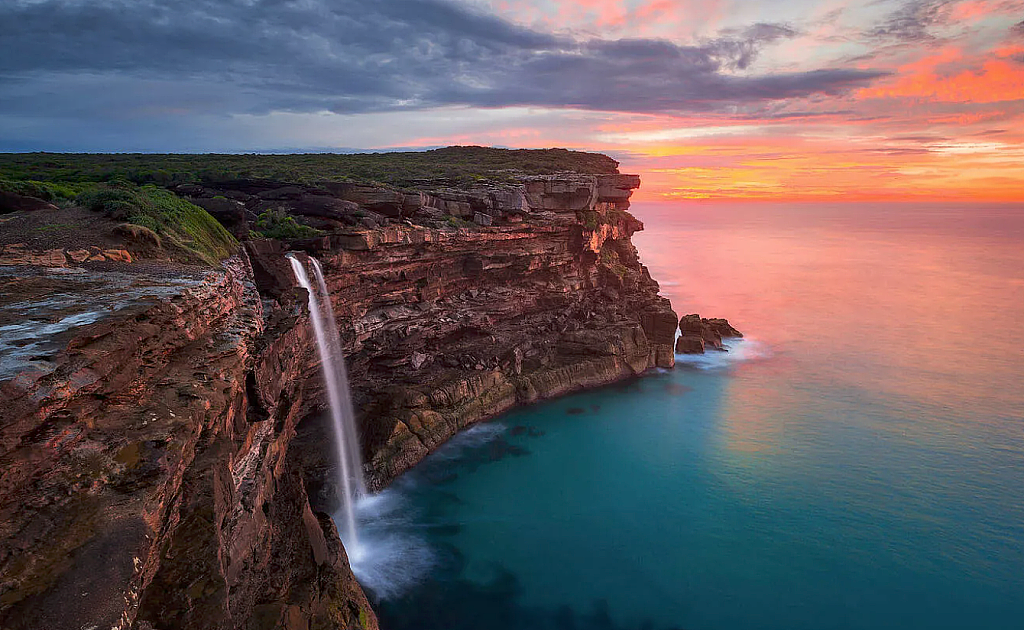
862	100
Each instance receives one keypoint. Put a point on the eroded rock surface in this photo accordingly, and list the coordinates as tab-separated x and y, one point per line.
146	478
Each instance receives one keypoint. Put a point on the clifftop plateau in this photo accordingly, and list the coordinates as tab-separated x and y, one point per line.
162	451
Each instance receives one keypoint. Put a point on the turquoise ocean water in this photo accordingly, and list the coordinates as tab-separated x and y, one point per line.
856	463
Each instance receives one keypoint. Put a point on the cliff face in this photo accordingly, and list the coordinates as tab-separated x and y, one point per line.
444	328
162	462
145	474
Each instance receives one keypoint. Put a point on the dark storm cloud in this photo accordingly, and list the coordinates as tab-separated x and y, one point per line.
911	22
106	58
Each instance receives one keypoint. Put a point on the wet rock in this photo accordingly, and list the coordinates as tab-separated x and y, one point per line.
710	332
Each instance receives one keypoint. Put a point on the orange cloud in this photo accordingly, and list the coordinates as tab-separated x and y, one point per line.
948	77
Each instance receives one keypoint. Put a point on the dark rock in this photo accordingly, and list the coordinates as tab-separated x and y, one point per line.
323	206
228	212
691	325
390	203
660	325
690	344
722	327
710	331
10	202
289	193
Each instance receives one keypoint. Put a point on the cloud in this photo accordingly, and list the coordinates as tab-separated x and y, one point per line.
911	22
111	59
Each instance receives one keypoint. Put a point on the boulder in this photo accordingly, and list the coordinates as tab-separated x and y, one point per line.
690	344
722	327
229	213
691	325
712	338
419	359
11	202
710	331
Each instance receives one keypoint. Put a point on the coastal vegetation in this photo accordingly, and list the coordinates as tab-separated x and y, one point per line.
277	224
454	166
163	213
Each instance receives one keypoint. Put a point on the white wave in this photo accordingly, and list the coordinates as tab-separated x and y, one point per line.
738	351
391	557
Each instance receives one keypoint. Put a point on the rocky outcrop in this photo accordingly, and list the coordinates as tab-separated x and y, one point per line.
446	327
696	334
162	459
146	478
22	254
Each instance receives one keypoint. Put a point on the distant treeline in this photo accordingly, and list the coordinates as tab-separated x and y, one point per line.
452	166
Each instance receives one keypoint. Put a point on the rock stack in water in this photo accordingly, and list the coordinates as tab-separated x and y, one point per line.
697	334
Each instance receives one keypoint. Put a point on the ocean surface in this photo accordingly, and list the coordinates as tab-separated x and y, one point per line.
856	463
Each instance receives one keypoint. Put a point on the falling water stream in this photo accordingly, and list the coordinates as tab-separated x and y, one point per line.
332	361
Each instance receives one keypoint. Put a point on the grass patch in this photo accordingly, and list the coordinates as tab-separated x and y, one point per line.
175	220
54	192
277	224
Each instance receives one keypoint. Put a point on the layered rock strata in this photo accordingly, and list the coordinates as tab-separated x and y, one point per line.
146	478
443	328
161	456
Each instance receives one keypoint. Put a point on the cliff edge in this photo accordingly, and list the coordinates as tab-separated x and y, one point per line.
162	451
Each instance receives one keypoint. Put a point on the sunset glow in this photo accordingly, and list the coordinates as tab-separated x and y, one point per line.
733	99
946	122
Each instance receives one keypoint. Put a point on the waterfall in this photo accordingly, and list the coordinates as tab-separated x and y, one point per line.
332	361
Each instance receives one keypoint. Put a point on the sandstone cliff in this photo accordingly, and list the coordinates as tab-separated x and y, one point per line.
160	451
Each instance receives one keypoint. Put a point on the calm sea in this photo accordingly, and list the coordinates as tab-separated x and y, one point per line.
856	463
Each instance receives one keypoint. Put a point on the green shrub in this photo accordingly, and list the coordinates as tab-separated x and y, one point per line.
277	224
590	219
458	222
47	191
177	221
